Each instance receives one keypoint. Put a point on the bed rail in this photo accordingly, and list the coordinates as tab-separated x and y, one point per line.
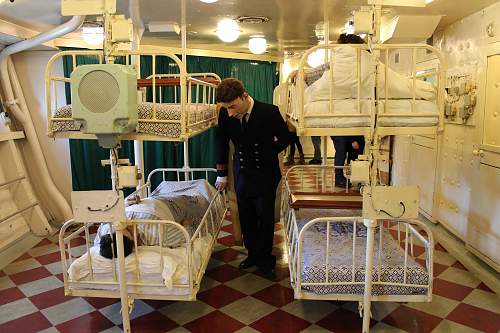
193	93
368	108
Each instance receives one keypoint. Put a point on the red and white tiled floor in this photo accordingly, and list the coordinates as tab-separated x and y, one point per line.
32	300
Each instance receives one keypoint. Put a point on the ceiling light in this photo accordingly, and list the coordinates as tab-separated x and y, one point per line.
209	1
228	30
428	1
316	58
93	36
257	45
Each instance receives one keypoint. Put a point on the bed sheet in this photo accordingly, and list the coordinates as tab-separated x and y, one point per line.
345	83
174	269
346	106
341	258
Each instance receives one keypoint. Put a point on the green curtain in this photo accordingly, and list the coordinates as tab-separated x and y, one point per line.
259	77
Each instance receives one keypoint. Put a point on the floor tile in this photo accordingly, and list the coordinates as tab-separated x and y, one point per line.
6	283
50	258
275	295
30	275
10	295
112	312
460	276
314	329
89	323
21	266
153	322
343	320
100	302
179	329
280	321
42	250
228	254
217	321
227	241
412	320
68	310
34	322
440	306
220	296
247	309
114	329
450	290
50	330
480	319
484	287
16	309
483	299
224	273
184	312
40	286
22	257
310	310
447	326
49	298
249	283
384	328
54	268
380	310
458	265
43	242
443	258
208	283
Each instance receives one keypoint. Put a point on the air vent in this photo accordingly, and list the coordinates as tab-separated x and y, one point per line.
252	19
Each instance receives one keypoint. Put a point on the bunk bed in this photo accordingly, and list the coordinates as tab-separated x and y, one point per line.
352	97
340	244
170	269
191	111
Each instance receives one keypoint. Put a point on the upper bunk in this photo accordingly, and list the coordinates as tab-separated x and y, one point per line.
172	105
361	93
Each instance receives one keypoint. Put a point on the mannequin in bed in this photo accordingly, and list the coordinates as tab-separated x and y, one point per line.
259	134
347	148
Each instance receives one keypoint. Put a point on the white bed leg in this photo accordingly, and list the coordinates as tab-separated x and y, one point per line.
122	276
367	299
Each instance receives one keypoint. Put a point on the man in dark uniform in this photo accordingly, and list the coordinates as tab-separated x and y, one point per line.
258	133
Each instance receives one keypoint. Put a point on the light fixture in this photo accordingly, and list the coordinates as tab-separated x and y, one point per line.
316	58
428	1
93	35
257	45
228	30
209	1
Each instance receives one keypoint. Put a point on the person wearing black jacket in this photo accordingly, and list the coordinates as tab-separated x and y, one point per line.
259	134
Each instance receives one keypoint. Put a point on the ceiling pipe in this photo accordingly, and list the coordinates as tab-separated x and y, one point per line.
20	111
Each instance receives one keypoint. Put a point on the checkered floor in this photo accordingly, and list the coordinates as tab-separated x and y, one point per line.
32	300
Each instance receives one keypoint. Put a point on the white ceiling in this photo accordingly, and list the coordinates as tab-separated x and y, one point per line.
291	26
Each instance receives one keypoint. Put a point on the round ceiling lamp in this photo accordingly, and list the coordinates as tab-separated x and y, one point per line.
93	35
209	1
316	58
257	45
228	30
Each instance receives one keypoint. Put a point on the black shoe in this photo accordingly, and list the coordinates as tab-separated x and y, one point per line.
247	263
315	161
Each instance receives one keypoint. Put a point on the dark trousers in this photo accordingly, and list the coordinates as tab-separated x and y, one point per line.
257	226
295	141
344	150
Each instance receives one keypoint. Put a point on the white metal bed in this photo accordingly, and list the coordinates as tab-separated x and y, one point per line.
192	111
143	283
328	249
370	108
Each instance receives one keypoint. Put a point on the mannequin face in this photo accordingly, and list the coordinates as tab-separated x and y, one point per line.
238	107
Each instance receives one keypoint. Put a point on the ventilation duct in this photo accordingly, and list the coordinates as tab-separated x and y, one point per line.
409	28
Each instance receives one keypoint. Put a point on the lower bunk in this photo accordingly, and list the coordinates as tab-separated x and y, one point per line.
168	238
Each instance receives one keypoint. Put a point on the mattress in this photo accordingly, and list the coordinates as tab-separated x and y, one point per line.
161	281
350	106
164	111
341	258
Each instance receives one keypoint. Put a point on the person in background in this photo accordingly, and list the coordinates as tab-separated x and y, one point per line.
259	134
295	141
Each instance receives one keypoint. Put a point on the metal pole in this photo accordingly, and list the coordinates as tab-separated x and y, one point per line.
367	298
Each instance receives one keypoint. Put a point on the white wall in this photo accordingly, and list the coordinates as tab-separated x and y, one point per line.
30	67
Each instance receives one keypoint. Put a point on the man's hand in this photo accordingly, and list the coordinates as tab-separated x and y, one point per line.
355	145
221	183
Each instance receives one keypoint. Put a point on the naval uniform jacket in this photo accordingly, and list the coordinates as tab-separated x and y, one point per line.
257	145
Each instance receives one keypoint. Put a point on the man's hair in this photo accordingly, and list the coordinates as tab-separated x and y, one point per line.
229	89
350	39
105	246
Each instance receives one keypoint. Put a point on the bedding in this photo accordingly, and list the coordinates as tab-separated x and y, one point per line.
346	84
341	257
164	111
149	265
